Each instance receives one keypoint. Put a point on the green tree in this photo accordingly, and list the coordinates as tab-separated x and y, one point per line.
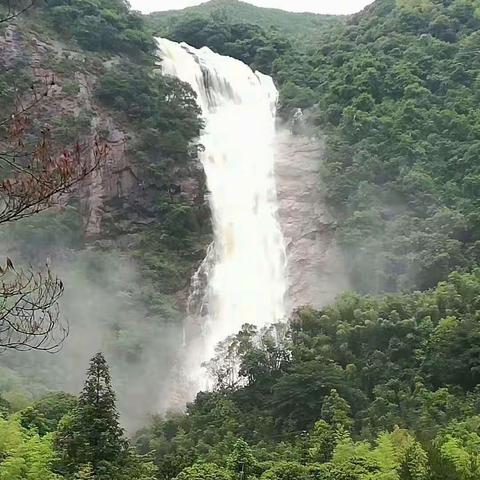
91	437
4	407
459	446
321	442
415	465
286	471
24	455
45	413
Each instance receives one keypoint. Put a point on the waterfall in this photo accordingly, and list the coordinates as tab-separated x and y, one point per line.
247	281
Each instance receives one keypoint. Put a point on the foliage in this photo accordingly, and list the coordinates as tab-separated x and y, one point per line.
12	80
459	445
286	471
402	364
164	110
68	129
241	461
395	90
251	44
81	439
336	411
236	12
24	455
44	414
164	113
90	439
91	435
204	471
101	25
4	407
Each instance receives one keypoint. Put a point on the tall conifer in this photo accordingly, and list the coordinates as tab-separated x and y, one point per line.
92	435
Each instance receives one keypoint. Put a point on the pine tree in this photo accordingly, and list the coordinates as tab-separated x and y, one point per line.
92	434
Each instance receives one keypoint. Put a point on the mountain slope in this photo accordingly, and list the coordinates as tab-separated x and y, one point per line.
236	11
368	388
130	237
396	92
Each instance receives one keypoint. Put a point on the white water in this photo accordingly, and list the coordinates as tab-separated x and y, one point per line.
248	280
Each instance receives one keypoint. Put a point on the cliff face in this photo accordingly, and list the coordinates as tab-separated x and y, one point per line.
139	237
43	59
118	202
315	268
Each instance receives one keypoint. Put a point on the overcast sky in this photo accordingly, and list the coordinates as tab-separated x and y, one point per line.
318	6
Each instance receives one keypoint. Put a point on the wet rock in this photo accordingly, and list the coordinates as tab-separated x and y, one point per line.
316	273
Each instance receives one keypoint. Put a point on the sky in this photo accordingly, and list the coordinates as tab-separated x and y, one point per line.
317	6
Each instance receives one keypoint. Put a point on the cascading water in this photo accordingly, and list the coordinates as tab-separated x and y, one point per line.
247	281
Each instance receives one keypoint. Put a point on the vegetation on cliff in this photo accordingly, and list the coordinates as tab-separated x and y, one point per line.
396	93
107	80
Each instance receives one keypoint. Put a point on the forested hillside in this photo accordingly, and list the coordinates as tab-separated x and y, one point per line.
234	11
365	389
126	241
396	93
381	385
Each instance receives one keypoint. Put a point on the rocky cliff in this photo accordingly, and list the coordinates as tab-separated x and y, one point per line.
315	268
118	202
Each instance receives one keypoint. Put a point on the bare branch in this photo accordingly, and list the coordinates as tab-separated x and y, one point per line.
29	314
35	176
12	14
37	186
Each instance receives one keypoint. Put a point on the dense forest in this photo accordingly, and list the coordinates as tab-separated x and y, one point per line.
381	385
